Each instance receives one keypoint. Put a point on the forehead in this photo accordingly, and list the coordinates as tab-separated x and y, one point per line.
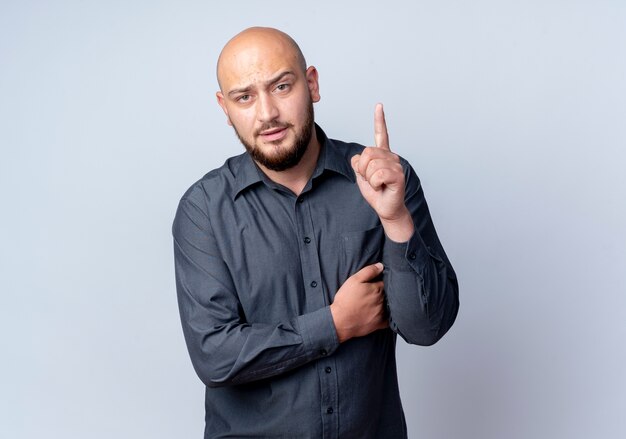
250	61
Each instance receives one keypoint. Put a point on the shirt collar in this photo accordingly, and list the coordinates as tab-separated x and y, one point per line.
331	158
247	174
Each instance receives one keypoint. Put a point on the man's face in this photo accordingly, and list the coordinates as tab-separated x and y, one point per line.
286	153
268	99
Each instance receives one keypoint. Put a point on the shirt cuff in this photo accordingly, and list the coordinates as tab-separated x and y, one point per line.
318	332
412	255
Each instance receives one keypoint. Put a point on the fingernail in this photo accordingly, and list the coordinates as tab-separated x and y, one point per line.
379	265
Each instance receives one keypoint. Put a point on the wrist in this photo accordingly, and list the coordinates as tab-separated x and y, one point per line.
342	333
399	229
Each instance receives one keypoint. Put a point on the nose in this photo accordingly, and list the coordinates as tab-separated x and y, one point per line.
266	108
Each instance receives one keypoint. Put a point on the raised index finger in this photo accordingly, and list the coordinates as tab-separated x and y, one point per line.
381	137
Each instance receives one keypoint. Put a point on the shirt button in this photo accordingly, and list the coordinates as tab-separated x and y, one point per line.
323	352
329	410
328	370
412	256
313	284
307	240
301	200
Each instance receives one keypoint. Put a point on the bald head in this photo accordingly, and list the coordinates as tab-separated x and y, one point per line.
250	47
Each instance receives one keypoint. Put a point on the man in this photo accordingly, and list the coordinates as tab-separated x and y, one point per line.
289	315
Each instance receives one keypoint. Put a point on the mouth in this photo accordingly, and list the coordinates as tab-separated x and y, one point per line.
273	134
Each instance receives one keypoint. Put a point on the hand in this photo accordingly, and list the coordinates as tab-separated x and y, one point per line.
380	178
358	308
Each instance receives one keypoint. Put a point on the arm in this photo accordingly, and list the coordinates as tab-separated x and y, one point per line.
420	284
224	348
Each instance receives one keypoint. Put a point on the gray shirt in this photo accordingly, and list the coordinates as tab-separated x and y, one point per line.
256	270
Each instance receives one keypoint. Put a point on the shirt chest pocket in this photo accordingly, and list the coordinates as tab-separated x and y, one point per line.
361	248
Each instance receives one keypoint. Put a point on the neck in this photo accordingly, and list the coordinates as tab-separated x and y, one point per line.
296	178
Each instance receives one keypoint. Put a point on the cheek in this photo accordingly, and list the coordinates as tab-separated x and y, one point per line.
296	110
243	121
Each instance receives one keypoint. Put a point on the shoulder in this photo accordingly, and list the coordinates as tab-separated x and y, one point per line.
217	183
346	149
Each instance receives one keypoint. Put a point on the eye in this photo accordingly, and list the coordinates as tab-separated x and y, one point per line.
282	87
243	98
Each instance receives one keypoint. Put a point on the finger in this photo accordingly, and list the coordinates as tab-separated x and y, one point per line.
379	179
384	177
354	161
381	137
361	162
369	272
377	164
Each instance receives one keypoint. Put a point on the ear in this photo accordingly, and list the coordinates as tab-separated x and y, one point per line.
222	103
312	81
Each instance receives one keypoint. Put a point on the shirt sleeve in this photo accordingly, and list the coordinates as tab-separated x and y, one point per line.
420	284
224	348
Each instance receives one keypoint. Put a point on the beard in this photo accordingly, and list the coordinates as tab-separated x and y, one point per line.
288	156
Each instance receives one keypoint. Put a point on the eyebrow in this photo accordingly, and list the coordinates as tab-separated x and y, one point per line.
273	80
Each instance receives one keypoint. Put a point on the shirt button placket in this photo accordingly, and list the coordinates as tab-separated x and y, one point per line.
309	258
316	298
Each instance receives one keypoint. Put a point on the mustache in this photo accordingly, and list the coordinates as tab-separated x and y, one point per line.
271	125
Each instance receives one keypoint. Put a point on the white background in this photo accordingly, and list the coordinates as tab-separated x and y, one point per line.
512	113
